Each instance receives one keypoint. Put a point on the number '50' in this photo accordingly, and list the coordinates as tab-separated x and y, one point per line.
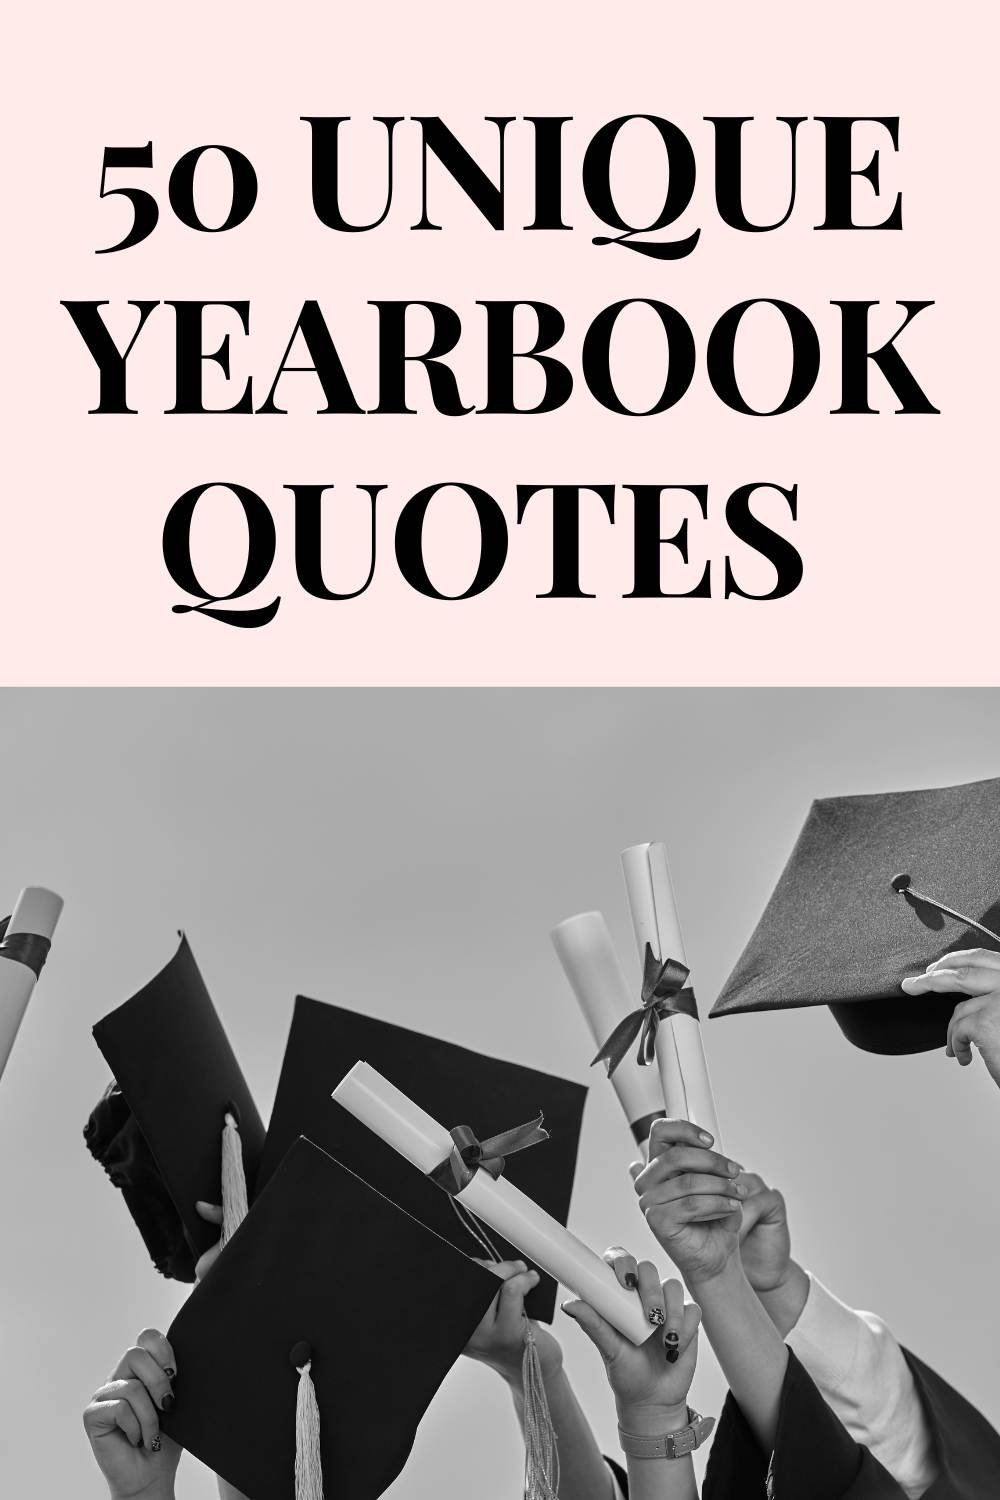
180	191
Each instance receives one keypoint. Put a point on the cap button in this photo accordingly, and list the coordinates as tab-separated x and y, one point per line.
901	883
300	1354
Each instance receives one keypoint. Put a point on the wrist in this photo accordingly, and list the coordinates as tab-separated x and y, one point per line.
784	1301
652	1419
161	1489
510	1370
730	1274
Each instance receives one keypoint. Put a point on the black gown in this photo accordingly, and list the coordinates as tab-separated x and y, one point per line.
815	1458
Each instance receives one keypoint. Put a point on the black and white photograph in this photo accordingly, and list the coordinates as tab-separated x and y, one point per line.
584	1093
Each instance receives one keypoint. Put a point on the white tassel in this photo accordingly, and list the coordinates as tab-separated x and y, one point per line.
308	1460
234	1183
541	1456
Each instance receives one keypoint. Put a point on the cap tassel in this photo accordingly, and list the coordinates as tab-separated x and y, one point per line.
903	886
541	1455
308	1459
234	1184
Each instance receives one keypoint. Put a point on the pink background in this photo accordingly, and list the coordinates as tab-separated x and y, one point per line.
895	512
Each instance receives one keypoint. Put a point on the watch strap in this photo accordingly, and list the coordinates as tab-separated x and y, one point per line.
669	1444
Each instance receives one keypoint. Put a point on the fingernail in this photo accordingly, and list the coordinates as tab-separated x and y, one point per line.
672	1336
657	1317
705	1138
155	1444
739	1189
169	1371
167	1404
632	1281
672	1356
734	1168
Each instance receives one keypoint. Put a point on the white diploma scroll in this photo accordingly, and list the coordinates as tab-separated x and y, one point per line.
680	1052
399	1122
36	912
592	967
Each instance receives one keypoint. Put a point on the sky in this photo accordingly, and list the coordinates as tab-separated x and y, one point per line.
371	848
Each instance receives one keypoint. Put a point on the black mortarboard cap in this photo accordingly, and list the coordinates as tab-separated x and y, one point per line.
876	888
158	1131
455	1086
324	1269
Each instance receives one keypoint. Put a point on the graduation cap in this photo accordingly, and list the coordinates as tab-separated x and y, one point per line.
309	1353
178	1123
876	888
455	1086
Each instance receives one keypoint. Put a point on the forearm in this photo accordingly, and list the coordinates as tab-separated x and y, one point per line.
228	1491
583	1474
658	1478
748	1346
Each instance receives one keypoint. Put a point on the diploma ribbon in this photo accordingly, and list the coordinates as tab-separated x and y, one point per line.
26	948
903	886
469	1153
663	995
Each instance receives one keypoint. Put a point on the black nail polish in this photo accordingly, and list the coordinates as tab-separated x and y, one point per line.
169	1371
672	1336
632	1280
155	1444
657	1316
672	1356
167	1404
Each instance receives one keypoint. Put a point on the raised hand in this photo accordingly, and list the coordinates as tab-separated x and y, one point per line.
650	1382
975	973
499	1339
122	1422
765	1244
692	1198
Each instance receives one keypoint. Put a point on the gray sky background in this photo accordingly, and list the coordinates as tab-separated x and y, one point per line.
369	848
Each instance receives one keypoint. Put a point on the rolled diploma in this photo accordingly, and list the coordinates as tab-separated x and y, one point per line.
37	911
399	1122
680	1051
592	967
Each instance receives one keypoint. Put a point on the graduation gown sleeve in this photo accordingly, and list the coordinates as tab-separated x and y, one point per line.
861	1372
967	1448
813	1456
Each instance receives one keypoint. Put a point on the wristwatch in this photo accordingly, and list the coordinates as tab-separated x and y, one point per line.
669	1444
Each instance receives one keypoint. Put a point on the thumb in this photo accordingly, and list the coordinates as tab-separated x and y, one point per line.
212	1214
600	1333
205	1262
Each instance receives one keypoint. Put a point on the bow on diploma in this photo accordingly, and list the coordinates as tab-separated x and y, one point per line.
469	1153
663	994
